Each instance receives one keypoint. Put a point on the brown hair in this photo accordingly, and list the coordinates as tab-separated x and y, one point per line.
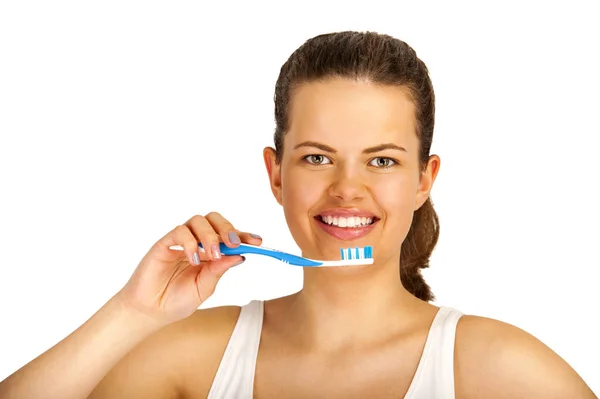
385	60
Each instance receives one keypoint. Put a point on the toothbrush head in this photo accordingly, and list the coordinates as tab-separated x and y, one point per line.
357	253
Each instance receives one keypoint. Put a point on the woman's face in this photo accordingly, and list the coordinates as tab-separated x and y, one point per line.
349	175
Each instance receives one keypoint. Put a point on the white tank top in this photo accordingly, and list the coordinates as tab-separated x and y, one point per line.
434	377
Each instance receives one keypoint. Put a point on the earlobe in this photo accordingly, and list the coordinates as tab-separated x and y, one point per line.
274	171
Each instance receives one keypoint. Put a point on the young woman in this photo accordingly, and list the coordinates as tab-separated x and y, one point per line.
351	167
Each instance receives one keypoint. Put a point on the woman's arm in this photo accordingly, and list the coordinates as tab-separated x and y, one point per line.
167	286
74	366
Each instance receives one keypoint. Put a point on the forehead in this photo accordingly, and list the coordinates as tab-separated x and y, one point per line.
341	112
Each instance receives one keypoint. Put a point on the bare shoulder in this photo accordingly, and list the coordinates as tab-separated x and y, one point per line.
179	360
498	360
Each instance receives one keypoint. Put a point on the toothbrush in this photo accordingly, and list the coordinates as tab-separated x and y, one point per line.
350	256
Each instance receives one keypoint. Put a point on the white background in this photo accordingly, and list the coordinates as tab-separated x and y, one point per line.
122	119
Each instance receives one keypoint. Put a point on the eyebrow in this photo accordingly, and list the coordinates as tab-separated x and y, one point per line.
370	150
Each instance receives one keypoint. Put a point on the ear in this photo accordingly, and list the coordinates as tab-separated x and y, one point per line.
427	180
274	171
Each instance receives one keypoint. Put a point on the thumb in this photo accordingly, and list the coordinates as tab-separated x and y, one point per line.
219	267
212	271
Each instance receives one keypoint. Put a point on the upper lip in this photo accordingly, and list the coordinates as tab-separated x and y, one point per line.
347	212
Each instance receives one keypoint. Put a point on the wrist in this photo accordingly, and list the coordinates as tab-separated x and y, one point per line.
135	315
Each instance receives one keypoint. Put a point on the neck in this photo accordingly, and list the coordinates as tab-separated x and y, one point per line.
347	306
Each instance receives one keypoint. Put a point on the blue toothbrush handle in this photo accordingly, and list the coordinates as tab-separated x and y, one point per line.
273	253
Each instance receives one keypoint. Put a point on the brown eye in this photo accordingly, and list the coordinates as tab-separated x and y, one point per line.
382	162
316	159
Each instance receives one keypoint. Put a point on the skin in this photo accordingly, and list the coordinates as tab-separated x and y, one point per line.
363	333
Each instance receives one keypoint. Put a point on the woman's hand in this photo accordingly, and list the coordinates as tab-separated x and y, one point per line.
170	284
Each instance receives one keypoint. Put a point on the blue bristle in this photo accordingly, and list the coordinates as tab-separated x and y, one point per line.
356	253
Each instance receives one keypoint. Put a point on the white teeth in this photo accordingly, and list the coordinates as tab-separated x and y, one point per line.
350	222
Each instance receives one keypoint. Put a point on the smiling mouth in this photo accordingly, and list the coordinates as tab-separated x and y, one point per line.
351	222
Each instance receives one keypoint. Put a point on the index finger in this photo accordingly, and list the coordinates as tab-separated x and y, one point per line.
231	236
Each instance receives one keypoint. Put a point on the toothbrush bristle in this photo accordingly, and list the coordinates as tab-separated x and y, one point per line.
356	253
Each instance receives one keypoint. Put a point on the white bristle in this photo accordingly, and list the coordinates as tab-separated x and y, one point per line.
353	253
352	256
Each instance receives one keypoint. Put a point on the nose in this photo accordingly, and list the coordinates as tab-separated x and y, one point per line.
347	185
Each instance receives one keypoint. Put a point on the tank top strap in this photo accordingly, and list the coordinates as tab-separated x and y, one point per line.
235	375
434	377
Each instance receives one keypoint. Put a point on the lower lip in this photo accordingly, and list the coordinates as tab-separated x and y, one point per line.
346	233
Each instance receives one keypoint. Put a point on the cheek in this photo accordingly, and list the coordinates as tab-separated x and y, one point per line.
396	197
300	193
301	190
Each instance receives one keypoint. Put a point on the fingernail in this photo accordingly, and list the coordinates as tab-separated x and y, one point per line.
196	258
202	250
240	262
234	238
255	236
215	251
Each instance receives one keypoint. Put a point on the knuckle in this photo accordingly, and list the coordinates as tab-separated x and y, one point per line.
197	218
211	237
184	235
219	222
180	230
213	215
